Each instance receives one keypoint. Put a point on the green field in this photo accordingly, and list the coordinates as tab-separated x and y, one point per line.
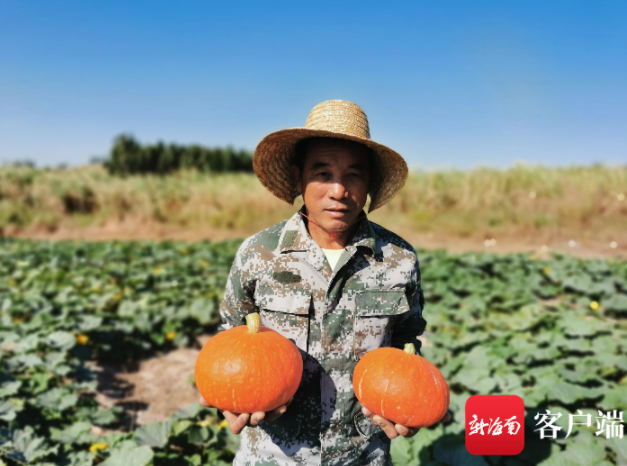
553	331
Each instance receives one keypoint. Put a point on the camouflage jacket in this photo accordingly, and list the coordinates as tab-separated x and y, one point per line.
373	298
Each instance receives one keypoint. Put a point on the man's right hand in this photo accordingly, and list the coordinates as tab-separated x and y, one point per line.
238	421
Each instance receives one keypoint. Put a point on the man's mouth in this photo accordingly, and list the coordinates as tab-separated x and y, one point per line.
337	212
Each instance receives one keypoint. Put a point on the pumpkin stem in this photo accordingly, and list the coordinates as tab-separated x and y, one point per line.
410	348
253	322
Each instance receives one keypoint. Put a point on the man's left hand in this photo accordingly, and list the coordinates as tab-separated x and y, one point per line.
394	430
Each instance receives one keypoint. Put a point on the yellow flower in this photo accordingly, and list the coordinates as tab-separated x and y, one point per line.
97	447
204	423
546	270
223	424
18	320
594	305
183	252
158	270
82	339
204	264
170	335
12	283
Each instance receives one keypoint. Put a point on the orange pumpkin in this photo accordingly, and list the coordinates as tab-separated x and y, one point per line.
248	368
401	386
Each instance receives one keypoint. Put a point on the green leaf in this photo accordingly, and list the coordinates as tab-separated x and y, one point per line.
565	392
61	340
28	447
614	399
584	454
189	412
578	328
401	452
620	448
197	435
27	344
9	408
181	426
456	454
558	460
57	399
8	385
71	434
154	434
80	458
476	379
139	456
105	417
203	310
89	323
616	304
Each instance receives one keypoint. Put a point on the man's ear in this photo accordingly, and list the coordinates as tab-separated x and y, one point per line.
296	178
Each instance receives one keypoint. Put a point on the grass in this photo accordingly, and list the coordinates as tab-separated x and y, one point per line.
523	200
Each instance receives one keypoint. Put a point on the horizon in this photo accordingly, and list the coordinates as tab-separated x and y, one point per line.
448	86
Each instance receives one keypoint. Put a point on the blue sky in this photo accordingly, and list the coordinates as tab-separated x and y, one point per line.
447	83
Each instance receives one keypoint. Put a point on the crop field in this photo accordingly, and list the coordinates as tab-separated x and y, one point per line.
552	330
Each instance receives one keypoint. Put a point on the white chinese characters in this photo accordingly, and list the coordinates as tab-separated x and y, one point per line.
611	424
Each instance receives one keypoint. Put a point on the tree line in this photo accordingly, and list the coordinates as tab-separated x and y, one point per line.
128	156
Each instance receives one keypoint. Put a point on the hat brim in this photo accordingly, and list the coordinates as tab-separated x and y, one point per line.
273	156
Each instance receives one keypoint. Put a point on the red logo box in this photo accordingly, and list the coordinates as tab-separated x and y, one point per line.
495	425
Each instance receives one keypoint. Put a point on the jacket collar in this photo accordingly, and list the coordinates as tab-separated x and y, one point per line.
296	237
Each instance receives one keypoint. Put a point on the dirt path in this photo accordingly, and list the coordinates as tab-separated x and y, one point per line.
159	387
540	245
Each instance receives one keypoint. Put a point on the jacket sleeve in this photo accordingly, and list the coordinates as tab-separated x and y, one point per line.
411	324
238	298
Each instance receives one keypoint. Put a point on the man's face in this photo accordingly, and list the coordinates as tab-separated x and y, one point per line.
334	182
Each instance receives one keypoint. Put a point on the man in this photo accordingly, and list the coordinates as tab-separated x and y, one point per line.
331	281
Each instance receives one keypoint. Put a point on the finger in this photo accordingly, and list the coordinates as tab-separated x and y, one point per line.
204	402
275	413
236	423
257	417
386	425
230	417
367	412
406	431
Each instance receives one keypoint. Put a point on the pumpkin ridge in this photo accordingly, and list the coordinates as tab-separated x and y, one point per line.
383	397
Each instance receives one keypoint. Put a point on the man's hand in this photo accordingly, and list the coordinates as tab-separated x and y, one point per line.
238	421
394	430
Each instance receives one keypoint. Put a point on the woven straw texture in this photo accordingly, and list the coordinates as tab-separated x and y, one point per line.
334	119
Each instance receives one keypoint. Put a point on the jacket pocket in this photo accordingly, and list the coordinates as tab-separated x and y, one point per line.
285	310
375	312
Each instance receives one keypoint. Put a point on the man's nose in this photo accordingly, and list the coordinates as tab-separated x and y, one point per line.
338	190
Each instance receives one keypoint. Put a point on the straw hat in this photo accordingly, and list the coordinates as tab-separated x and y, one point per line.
334	119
